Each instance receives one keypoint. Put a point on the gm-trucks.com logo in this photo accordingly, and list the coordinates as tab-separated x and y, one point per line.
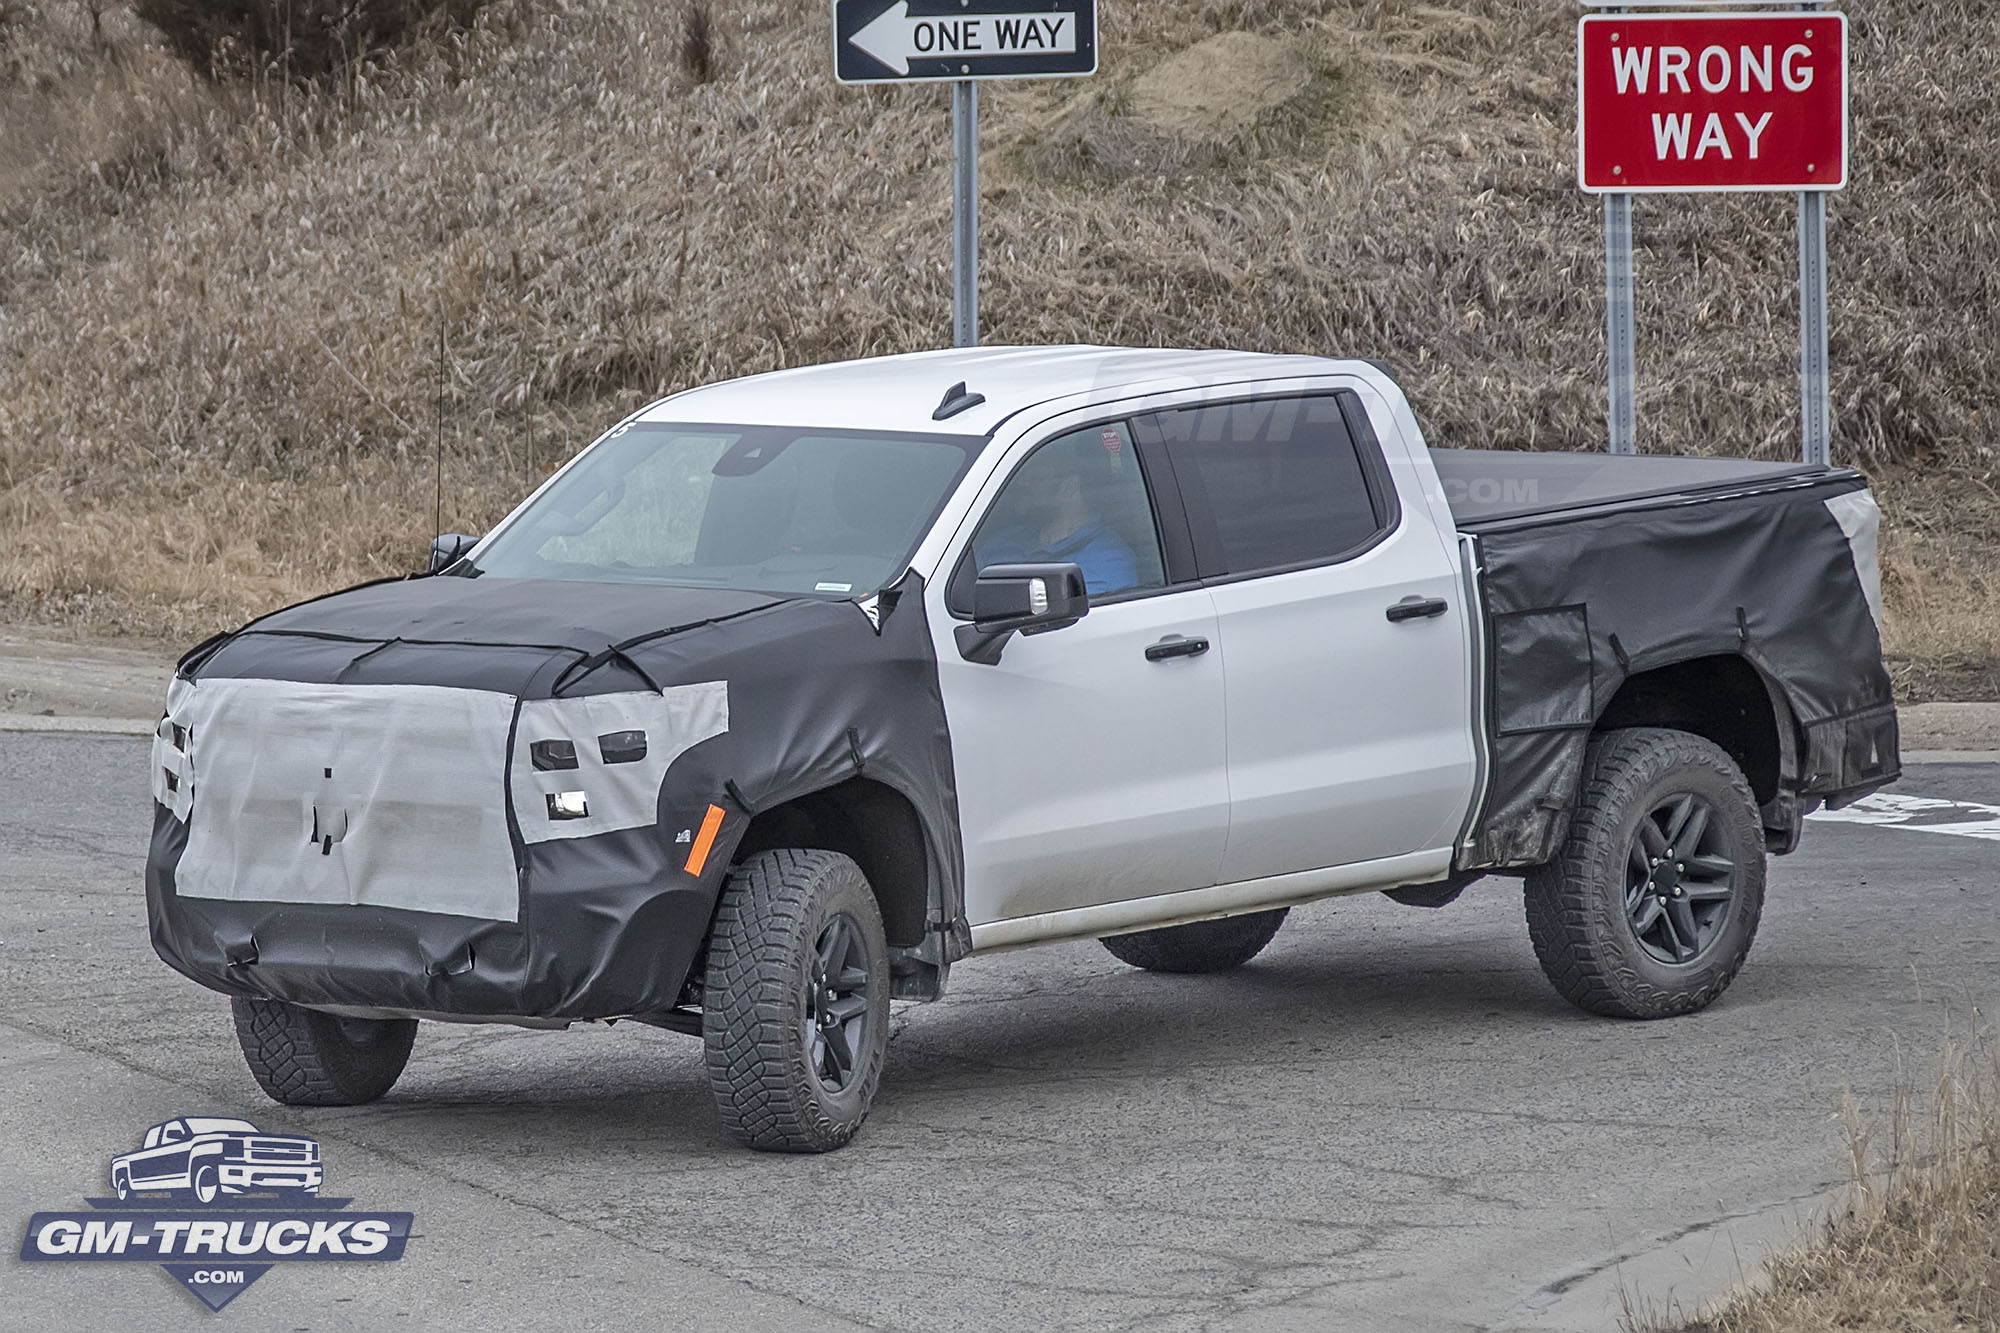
217	1203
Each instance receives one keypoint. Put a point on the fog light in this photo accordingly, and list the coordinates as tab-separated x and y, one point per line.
568	805
1038	597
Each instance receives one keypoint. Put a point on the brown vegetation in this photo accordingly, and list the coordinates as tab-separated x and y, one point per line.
220	303
1917	1247
293	39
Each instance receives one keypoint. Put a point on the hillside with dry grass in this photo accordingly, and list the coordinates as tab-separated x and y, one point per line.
227	308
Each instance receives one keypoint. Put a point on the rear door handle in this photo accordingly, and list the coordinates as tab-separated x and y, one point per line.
1176	645
1417	608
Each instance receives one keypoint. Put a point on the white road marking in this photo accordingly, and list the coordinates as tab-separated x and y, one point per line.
1920	814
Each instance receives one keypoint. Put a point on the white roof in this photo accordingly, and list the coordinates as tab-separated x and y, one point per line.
901	392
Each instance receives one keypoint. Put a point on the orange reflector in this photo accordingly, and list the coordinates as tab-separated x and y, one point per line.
711	824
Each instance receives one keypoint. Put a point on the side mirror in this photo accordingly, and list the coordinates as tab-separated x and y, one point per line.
1020	599
446	550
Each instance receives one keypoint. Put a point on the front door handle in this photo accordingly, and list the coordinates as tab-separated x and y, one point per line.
1417	608
1176	645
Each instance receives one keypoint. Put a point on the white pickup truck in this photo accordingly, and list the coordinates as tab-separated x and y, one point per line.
790	692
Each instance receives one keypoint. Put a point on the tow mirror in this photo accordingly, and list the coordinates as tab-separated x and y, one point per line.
446	550
1020	599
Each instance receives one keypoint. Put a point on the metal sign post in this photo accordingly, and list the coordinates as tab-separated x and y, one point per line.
1816	408
962	42
965	213
1618	334
1702	101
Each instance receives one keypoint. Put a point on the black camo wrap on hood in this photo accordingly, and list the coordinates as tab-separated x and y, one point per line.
609	924
1577	604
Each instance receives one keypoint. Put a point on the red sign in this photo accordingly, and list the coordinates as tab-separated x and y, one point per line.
1712	102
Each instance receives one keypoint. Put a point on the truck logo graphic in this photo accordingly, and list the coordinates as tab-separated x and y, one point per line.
204	1158
217	1202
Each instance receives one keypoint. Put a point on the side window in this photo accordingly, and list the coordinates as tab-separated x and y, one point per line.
1282	481
1078	498
173	1133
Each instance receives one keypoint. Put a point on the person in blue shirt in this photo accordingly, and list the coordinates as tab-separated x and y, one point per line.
1043	517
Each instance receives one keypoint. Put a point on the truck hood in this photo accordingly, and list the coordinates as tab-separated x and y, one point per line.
513	636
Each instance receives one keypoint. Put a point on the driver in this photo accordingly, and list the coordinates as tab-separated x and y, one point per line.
1044	517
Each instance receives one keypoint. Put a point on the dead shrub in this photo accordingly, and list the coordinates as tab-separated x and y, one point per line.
698	41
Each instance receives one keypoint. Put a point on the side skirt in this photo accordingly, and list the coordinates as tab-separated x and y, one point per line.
1173	909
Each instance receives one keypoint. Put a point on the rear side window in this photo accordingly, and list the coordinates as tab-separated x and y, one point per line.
1270	484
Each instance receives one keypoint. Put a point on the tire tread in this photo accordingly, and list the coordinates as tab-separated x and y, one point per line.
1563	903
300	1058
762	1093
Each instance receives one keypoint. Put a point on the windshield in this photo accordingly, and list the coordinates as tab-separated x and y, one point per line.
216	1125
761	508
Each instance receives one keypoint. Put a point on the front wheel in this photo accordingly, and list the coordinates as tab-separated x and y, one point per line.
207	1186
1650	906
795	1006
1198	946
302	1057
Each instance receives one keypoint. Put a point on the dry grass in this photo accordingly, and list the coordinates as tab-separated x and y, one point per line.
220	305
1917	1248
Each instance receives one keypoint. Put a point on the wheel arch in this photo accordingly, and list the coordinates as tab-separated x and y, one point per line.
880	829
1724	698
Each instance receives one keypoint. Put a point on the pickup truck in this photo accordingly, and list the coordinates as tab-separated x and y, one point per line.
790	692
205	1157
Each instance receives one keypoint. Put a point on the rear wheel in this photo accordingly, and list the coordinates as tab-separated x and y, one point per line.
795	1006
1198	946
302	1057
1650	907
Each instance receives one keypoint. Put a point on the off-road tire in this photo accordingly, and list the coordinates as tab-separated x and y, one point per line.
301	1057
1198	946
1578	915
756	1011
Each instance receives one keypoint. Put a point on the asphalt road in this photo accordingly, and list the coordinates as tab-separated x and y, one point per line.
1388	1121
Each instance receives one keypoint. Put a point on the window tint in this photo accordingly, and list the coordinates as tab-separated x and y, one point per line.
1079	498
1282	480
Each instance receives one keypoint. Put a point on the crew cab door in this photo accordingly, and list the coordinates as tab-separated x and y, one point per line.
1348	694
1089	770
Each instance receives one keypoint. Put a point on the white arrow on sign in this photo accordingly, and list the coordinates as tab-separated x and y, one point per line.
895	39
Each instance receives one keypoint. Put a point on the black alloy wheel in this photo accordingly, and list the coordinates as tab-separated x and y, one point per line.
1681	880
838	1013
1652	901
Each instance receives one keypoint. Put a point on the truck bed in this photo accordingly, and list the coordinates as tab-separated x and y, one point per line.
1595	569
1489	487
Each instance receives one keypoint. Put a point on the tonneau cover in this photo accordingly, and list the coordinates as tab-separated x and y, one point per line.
1487	486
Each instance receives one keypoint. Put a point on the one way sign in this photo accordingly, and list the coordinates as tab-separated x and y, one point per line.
912	41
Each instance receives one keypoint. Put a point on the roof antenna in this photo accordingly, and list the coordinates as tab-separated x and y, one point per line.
956	400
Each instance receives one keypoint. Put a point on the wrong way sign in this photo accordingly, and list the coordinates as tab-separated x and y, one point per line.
1692	102
922	41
